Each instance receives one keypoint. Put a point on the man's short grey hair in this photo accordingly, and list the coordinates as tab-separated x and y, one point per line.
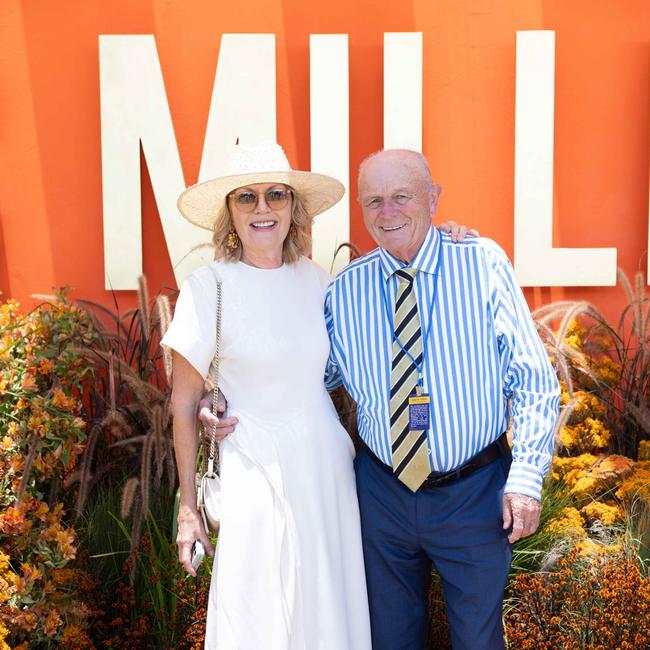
418	157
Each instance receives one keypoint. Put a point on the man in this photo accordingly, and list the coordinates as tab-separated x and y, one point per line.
438	357
435	343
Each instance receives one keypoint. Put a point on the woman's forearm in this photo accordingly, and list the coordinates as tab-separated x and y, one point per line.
185	447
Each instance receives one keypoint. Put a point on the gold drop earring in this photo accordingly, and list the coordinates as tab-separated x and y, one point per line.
232	240
293	232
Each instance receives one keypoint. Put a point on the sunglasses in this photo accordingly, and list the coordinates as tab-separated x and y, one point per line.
246	200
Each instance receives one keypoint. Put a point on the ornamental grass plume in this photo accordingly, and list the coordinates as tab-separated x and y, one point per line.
599	602
610	362
131	446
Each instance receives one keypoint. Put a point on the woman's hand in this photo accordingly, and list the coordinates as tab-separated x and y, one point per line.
190	528
458	231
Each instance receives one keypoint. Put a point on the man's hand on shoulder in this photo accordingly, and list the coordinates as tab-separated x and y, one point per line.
522	513
458	231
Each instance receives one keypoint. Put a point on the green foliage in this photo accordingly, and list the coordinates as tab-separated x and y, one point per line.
160	607
528	553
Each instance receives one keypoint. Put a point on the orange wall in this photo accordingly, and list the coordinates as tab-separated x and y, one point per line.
50	171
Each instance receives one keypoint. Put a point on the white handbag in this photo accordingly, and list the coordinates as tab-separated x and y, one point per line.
208	492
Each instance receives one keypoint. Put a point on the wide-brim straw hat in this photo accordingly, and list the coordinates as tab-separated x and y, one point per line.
262	163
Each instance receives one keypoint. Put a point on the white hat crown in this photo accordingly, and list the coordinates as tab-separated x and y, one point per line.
265	162
259	158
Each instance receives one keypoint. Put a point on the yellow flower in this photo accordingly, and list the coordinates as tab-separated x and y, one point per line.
587	547
604	475
34	422
570	469
608	371
644	450
636	485
586	486
589	434
587	405
4	633
568	523
598	511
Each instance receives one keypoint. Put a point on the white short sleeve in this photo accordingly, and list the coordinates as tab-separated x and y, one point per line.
192	330
324	277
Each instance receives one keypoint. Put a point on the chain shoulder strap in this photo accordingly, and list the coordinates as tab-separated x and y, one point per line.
213	454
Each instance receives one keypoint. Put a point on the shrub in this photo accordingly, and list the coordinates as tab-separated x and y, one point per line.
597	602
41	381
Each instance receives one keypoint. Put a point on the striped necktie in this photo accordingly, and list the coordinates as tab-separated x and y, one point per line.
409	448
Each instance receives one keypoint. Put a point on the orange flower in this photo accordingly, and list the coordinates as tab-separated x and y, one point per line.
29	620
30	573
28	382
52	623
59	399
74	638
41	510
13	521
45	366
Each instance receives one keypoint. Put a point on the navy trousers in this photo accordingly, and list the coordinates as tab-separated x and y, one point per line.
456	527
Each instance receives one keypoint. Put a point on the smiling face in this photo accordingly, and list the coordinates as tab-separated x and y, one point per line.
262	231
398	201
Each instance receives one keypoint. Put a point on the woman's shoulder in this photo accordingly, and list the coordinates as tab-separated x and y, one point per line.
209	273
314	269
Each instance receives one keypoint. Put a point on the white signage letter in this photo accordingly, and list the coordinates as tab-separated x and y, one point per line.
403	90
537	263
134	111
330	141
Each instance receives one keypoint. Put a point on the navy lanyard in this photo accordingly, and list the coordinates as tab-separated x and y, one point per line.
425	338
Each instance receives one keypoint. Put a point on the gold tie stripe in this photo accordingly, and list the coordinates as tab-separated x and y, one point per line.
410	451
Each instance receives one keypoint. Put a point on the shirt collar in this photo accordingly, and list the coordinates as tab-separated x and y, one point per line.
425	259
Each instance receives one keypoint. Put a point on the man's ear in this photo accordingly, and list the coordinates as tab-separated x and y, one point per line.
436	191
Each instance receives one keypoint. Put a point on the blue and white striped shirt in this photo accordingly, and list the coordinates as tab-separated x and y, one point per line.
483	359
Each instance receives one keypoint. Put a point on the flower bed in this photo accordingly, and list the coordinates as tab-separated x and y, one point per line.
87	485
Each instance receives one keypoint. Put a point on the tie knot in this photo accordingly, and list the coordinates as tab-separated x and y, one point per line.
406	274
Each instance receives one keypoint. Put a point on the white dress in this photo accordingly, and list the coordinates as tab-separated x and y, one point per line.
289	569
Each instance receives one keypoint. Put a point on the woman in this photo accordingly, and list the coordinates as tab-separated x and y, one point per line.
289	567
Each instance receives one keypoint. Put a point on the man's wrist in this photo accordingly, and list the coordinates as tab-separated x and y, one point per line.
524	479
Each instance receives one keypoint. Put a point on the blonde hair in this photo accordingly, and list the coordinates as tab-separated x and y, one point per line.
292	249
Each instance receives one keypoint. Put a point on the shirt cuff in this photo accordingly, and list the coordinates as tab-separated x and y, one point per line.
524	478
